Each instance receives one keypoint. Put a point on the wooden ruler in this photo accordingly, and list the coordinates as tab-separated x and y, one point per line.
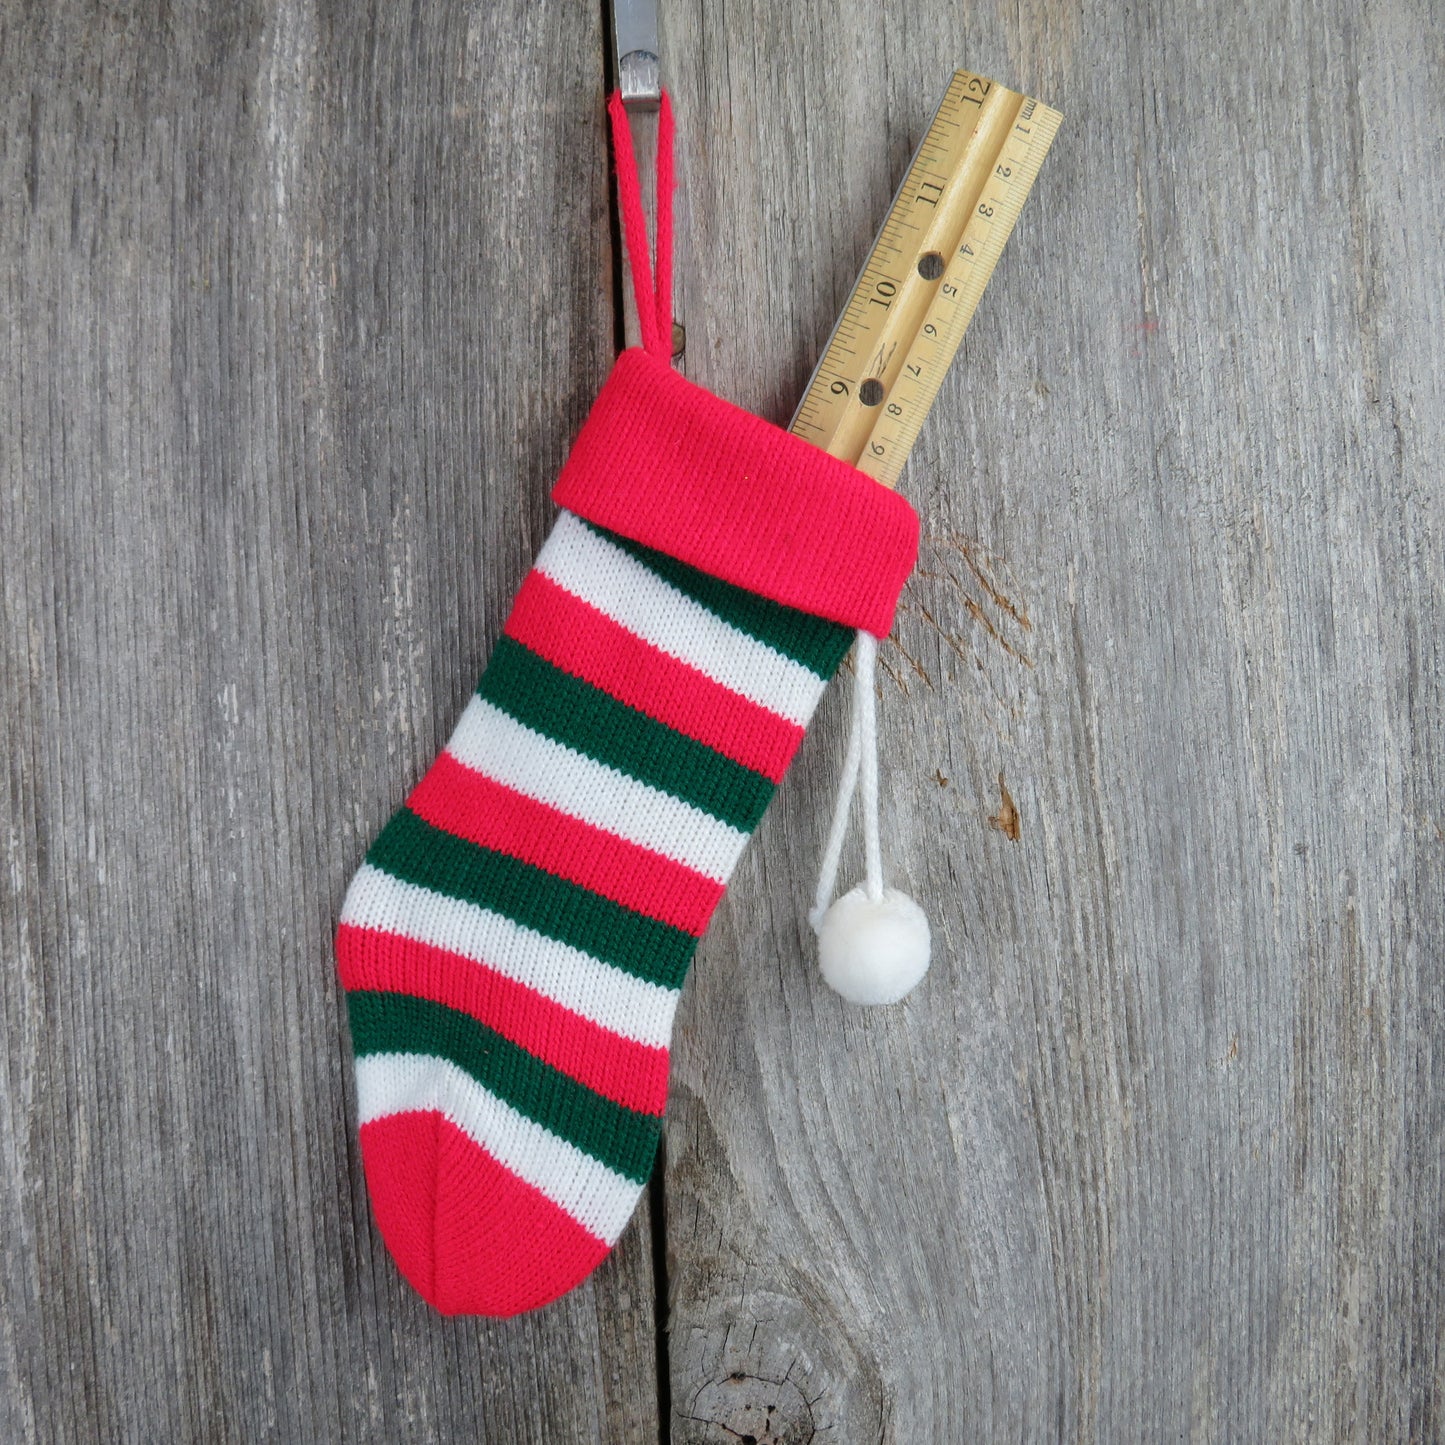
923	278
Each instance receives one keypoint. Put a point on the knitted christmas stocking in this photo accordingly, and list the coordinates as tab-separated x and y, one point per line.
514	945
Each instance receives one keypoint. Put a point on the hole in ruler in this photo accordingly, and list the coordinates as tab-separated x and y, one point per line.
871	392
930	266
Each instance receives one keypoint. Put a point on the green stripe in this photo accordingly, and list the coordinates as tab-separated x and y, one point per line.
396	1023
415	852
820	645
580	716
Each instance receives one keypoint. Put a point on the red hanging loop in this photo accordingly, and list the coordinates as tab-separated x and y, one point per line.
654	302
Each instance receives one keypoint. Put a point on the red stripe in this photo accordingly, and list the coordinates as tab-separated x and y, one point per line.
574	636
472	1237
678	469
631	1074
470	805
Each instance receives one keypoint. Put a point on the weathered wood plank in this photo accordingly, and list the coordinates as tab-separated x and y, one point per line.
1155	1151
300	306
299	311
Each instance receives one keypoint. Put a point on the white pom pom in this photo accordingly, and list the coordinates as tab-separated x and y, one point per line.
873	951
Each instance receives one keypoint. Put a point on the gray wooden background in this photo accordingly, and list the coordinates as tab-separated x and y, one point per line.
300	305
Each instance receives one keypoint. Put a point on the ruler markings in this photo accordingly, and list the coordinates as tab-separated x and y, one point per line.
959	199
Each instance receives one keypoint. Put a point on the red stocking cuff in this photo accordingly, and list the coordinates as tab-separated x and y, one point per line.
666	463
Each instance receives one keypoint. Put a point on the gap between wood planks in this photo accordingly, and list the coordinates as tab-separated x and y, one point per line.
657	1185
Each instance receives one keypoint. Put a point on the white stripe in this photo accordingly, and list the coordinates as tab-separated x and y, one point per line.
610	997
598	1198
592	568
502	749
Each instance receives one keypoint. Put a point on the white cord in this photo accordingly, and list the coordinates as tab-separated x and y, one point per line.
865	701
874	943
861	758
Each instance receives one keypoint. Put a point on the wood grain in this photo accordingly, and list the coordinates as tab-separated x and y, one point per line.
299	307
1154	1152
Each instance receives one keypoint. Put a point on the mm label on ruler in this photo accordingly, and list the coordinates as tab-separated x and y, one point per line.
923	278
